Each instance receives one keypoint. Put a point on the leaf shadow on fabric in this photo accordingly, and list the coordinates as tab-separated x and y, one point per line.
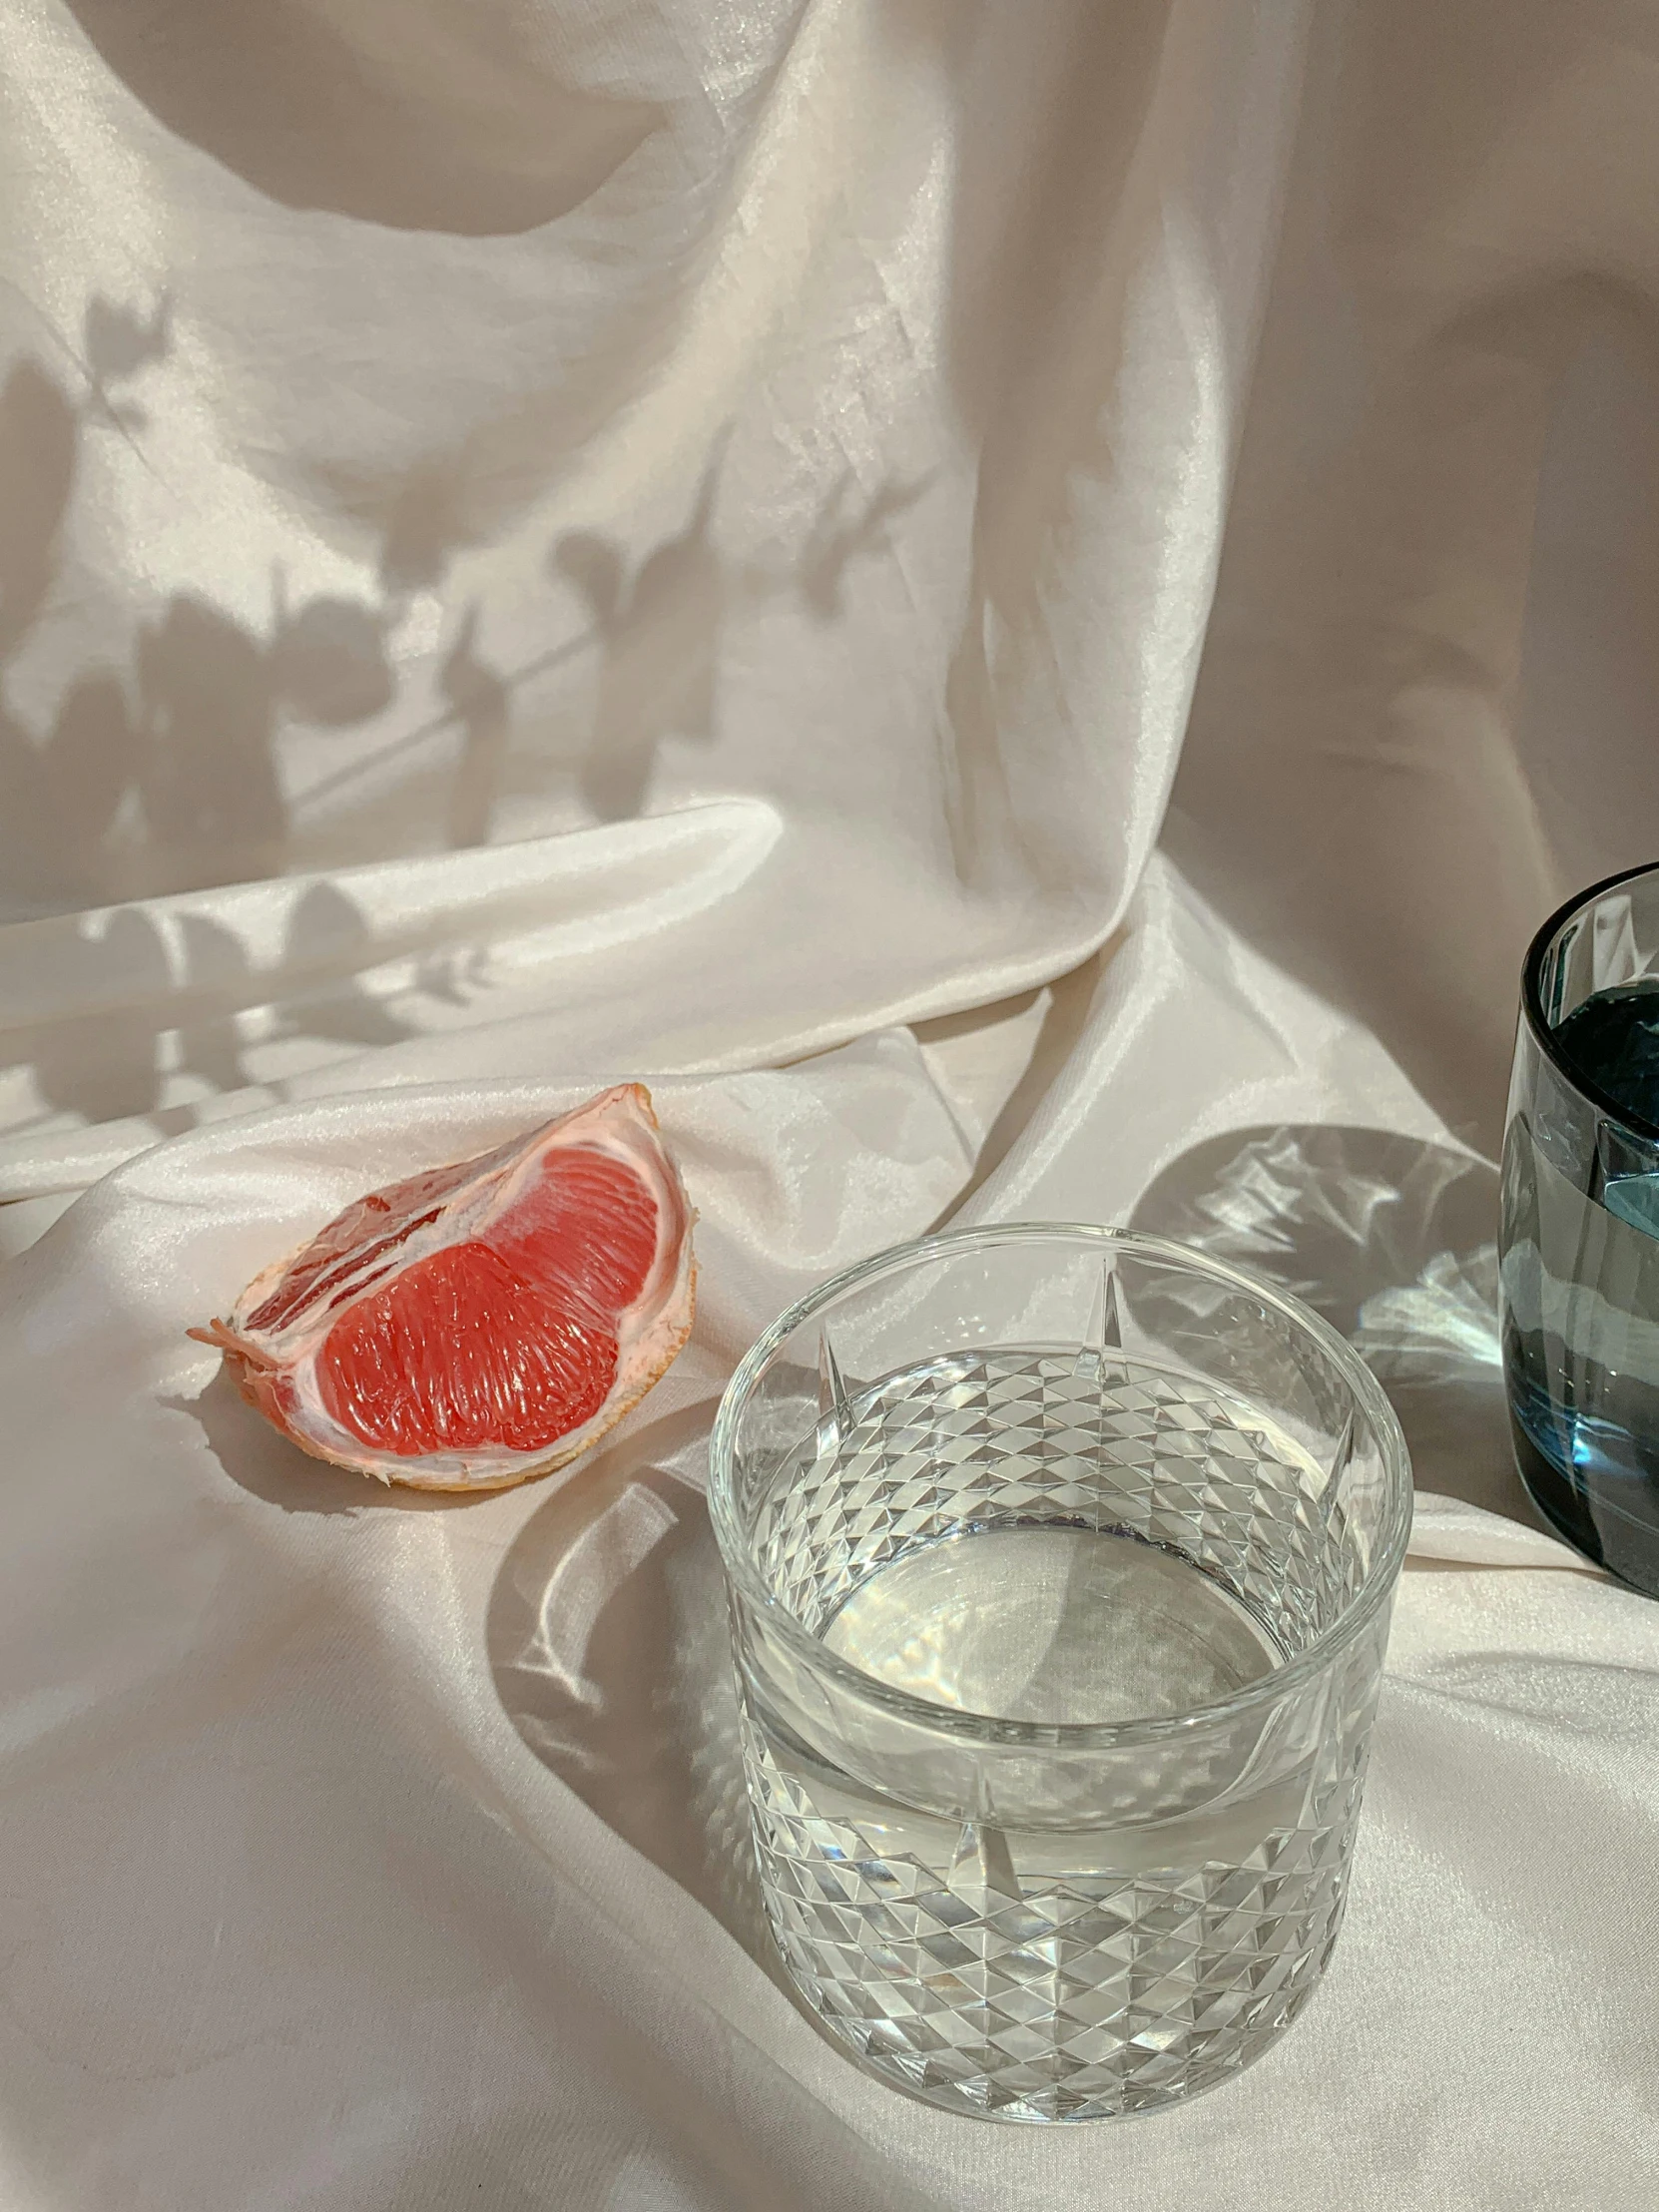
61	790
1393	1239
652	636
158	777
162	774
608	1645
135	1006
659	626
657	634
166	772
641	672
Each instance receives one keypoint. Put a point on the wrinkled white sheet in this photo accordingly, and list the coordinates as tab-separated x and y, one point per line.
1020	608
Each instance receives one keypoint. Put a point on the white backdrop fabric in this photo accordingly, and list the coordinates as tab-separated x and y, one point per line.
1021	608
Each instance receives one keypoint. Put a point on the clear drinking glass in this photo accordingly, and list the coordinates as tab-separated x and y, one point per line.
1580	1232
1060	1562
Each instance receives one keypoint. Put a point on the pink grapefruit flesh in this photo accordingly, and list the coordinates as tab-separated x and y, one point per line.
483	1321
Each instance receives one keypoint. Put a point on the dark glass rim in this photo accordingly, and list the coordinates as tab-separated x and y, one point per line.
1533	1006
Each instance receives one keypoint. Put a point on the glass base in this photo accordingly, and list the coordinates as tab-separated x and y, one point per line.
1050	2104
1625	1547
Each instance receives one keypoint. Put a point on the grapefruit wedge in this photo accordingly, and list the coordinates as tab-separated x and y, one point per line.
484	1322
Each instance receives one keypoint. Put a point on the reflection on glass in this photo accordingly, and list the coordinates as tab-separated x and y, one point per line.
1060	1564
1580	1233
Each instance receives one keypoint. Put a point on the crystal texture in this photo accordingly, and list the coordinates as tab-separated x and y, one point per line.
1101	1934
1580	1241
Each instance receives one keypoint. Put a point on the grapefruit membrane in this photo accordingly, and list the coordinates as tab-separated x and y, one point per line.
483	1321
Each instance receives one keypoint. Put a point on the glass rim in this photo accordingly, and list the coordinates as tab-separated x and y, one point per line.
988	1728
1532	1004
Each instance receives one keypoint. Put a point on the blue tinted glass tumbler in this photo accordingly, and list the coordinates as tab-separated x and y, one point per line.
1581	1230
1060	1564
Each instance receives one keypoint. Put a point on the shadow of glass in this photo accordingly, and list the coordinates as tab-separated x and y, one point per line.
607	1639
1393	1239
416	117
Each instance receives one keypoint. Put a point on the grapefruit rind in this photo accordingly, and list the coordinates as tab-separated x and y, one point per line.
275	1366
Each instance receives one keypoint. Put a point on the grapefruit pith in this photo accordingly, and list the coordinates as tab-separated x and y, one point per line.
483	1321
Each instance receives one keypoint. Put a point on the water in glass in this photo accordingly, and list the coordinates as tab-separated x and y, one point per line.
1056	1538
1581	1280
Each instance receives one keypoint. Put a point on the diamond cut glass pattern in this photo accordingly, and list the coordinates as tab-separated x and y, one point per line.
1070	2001
1155	1456
1058	1660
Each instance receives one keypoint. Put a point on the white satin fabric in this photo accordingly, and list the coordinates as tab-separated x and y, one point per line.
1018	607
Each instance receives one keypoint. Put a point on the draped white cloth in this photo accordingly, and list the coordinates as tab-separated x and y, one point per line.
1020	607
